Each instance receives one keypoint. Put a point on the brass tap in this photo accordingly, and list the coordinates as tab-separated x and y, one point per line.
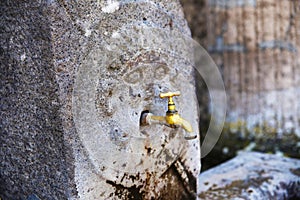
172	118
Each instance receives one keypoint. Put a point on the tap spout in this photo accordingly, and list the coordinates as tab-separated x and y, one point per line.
185	125
174	119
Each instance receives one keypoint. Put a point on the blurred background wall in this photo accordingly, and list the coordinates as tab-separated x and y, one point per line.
256	45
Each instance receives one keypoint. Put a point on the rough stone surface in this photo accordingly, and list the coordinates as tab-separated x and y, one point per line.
33	156
75	77
252	176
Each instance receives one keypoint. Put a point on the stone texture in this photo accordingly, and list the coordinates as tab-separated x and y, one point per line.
75	77
34	157
252	175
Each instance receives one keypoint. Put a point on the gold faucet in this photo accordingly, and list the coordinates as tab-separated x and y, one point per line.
172	117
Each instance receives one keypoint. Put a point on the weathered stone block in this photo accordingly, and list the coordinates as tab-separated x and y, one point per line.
75	78
252	176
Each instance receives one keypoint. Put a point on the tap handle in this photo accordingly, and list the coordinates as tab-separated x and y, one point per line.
169	94
171	104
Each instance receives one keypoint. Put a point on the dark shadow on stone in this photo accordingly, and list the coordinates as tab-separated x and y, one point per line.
177	189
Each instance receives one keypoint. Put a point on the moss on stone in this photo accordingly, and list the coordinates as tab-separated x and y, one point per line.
234	189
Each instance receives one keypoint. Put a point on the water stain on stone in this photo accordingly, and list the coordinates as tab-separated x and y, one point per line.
122	192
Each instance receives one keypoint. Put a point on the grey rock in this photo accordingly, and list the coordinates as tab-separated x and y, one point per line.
33	156
33	197
252	175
